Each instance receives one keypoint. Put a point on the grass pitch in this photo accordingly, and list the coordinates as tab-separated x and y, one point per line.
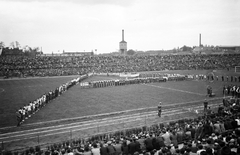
78	102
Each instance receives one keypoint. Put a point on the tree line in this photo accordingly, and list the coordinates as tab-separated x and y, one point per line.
15	49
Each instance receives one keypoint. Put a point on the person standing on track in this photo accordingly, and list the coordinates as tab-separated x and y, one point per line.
205	104
209	91
19	117
159	109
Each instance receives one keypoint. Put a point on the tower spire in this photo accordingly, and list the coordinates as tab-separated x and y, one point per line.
122	35
200	44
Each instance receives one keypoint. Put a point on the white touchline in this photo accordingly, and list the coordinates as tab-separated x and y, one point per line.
176	90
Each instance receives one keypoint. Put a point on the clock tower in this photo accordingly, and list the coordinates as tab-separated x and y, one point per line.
123	45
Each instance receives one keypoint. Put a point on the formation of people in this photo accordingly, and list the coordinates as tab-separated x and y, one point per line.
33	107
121	82
20	66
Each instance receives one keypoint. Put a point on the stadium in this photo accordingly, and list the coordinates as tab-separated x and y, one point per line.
119	77
73	101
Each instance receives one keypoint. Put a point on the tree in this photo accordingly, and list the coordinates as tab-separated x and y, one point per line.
186	48
2	45
131	52
12	45
17	45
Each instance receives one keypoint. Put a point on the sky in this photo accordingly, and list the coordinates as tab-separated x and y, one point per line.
86	25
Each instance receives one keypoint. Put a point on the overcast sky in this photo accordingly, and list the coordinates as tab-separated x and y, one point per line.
78	25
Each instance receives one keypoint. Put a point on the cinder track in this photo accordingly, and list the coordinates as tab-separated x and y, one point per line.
58	130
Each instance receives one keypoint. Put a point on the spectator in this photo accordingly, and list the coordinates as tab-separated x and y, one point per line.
103	149
110	148
148	143
95	150
124	148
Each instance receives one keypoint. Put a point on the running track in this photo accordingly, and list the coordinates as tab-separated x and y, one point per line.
52	133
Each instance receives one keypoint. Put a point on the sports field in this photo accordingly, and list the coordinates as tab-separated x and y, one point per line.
76	103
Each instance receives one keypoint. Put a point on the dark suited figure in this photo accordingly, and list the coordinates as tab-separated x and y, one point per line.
148	144
132	147
138	145
103	150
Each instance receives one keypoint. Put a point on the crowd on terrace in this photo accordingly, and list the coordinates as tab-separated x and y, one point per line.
20	66
214	134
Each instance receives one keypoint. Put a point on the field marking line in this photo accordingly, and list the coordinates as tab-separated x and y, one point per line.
183	91
90	116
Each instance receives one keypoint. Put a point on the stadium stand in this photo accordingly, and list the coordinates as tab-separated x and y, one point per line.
21	66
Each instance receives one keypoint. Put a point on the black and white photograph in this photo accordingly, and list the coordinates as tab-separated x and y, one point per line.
119	77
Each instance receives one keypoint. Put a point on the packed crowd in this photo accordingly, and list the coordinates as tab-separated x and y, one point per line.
32	107
214	134
19	66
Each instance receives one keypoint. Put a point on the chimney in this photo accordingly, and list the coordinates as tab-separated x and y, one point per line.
200	40
122	35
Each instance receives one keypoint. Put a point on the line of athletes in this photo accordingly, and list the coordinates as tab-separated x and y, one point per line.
232	90
224	78
121	82
31	108
209	77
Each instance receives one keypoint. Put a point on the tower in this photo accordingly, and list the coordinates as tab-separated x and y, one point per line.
122	45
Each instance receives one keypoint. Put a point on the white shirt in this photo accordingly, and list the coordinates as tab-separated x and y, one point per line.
199	151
